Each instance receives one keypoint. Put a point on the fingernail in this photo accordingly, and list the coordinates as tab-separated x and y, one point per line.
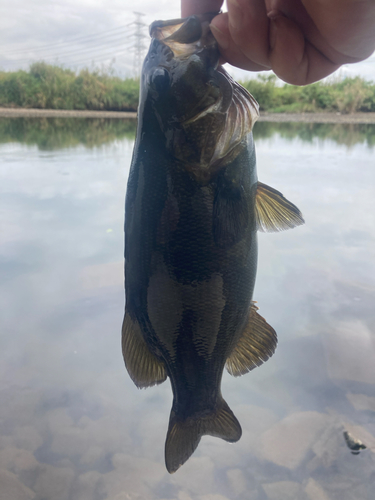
221	38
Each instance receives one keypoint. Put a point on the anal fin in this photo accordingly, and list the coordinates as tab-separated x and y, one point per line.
256	345
273	211
144	368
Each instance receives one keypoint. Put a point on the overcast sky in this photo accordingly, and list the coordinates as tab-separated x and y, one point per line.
77	33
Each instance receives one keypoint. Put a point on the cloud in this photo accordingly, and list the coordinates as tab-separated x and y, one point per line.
75	34
70	33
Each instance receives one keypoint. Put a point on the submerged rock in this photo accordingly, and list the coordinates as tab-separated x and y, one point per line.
237	481
12	488
361	401
328	446
16	460
288	442
27	437
314	491
54	482
285	490
84	487
350	352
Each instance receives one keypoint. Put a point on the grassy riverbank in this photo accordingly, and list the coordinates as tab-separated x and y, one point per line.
349	95
50	87
57	133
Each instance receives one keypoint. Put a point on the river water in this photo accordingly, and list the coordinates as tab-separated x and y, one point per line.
73	425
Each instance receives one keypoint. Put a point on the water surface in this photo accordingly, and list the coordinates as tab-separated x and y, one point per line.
73	425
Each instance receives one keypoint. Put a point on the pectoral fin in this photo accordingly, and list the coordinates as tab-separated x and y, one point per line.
144	368
273	211
257	344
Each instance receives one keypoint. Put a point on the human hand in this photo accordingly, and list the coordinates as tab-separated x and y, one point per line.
302	41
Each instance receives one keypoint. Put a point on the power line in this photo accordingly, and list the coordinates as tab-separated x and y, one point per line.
139	46
71	53
101	34
54	56
104	46
103	60
101	57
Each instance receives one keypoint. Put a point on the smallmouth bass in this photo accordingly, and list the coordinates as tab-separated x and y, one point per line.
193	209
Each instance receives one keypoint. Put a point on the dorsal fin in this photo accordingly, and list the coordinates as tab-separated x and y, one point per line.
273	211
257	344
144	368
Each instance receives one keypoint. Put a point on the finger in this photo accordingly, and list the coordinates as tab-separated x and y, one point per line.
249	28
292	57
347	26
192	7
228	49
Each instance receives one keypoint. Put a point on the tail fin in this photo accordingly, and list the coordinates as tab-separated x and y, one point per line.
183	436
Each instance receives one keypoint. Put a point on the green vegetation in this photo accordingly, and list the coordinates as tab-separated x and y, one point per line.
52	87
59	133
345	96
348	134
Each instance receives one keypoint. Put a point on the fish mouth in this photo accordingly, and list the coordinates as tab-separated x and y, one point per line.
186	37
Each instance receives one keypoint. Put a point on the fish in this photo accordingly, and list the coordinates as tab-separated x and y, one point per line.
192	211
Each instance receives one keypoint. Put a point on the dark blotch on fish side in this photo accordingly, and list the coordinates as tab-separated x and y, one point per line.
193	209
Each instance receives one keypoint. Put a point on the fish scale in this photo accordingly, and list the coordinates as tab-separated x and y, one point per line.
193	209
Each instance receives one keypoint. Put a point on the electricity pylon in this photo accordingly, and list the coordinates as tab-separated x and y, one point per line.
139	46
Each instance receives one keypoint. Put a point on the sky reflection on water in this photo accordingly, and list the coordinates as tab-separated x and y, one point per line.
73	425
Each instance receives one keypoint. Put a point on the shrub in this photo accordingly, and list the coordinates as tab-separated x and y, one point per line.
52	87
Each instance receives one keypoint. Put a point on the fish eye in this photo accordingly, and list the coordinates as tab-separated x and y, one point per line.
160	79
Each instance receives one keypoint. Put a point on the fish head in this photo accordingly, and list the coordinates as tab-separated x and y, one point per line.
200	109
179	70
